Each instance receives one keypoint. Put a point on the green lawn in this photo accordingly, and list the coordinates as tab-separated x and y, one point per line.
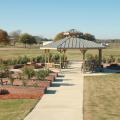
16	109
102	97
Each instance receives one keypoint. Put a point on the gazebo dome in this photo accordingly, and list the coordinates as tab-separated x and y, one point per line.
78	43
73	43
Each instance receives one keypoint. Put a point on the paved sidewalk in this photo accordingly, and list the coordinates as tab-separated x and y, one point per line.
64	100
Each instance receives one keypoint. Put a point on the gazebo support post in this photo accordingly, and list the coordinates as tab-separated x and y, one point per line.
83	53
64	52
48	56
100	56
45	57
60	58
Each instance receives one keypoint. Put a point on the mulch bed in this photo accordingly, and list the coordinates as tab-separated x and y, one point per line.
29	92
41	84
23	92
21	96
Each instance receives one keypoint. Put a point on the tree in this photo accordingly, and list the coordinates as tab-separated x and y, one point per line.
4	37
39	40
89	36
75	33
72	33
59	36
27	39
15	36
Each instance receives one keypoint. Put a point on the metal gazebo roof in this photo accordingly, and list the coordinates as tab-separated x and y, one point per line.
73	43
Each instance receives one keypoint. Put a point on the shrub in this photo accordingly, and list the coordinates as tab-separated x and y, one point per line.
50	57
56	57
9	62
33	59
96	58
4	68
1	61
41	74
19	60
23	60
89	57
47	72
112	58
3	73
12	79
29	72
24	82
118	60
20	75
104	60
4	92
40	59
12	62
35	85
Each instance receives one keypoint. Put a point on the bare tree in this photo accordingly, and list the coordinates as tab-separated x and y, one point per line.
15	36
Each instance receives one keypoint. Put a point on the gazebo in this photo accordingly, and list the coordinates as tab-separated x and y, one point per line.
73	42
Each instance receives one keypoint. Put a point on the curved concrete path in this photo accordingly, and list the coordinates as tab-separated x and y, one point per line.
64	100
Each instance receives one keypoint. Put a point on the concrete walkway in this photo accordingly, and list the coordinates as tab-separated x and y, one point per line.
64	100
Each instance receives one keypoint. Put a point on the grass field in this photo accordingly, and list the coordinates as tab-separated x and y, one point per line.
16	109
6	53
102	97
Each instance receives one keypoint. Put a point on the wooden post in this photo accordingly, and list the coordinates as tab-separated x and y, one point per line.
59	50
48	56
64	62
100	56
60	60
83	53
45	56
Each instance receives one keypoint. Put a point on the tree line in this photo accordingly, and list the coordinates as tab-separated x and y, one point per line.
28	39
19	37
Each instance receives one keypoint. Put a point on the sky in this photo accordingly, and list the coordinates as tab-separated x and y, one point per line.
49	17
